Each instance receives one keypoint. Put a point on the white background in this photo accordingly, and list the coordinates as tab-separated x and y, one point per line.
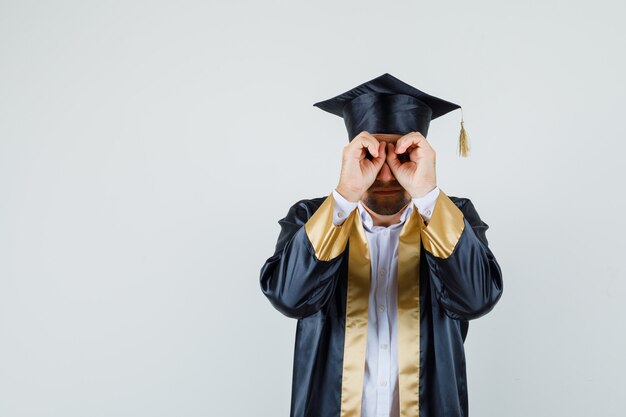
148	149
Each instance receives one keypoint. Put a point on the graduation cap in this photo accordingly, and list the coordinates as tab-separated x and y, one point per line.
388	105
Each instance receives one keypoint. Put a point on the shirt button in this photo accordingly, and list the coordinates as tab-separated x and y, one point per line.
341	214
427	212
383	346
383	383
381	308
382	272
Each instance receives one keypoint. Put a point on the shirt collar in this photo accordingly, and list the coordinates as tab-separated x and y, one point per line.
368	222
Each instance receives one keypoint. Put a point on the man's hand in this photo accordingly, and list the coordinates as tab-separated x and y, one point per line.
357	172
417	175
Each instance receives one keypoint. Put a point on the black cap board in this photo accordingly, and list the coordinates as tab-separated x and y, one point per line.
386	105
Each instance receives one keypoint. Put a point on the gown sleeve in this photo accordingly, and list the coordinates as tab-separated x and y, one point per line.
464	271
301	275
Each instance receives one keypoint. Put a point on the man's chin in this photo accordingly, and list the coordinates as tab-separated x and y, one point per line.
384	207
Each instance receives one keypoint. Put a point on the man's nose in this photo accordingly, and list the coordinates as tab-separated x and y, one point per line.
385	174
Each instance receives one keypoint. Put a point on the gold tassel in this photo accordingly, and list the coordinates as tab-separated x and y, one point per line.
463	140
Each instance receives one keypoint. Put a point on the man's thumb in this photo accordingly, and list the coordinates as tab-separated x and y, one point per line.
392	158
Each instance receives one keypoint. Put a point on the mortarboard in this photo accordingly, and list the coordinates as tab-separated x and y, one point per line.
388	105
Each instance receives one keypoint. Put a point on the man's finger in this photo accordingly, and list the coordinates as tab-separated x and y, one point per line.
410	139
392	159
359	145
382	156
404	143
367	141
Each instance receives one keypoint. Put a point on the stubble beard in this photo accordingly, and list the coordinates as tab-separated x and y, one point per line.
386	205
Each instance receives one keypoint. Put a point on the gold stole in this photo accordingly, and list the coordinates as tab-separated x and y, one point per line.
408	318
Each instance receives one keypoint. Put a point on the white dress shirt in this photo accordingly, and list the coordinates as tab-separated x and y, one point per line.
380	384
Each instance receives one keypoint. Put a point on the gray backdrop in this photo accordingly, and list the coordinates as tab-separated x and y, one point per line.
148	149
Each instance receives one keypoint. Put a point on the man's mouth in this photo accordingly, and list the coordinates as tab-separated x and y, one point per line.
386	191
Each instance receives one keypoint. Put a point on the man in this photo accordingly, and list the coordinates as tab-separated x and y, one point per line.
385	272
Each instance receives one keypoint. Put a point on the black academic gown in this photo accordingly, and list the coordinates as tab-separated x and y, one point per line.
319	275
